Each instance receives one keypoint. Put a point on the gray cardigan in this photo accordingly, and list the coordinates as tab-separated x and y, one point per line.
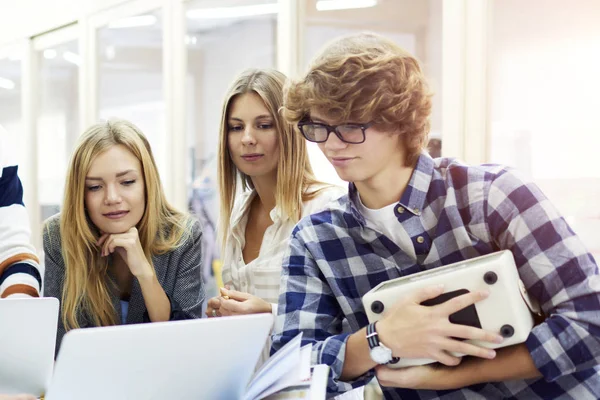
178	271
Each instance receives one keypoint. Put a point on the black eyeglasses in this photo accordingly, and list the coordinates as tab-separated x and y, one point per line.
319	133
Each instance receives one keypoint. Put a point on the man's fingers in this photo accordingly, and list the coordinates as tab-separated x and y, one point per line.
427	293
460	302
445	358
471	333
468	349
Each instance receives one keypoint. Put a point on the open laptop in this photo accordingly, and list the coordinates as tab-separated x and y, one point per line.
195	359
27	341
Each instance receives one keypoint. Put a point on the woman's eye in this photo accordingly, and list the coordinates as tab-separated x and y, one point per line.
130	182
93	188
265	126
235	128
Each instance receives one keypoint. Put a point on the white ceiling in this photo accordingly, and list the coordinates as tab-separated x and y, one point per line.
406	16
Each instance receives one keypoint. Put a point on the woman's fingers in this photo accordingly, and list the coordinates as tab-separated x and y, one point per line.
102	238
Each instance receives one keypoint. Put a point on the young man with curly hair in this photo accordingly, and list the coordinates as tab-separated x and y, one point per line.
367	104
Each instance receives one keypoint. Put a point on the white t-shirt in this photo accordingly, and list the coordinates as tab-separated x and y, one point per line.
383	220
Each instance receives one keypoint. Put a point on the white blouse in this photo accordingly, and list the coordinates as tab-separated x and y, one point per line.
261	277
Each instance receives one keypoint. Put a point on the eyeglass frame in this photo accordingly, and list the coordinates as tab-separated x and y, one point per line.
333	128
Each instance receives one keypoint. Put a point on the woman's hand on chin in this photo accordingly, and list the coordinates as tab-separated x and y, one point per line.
129	247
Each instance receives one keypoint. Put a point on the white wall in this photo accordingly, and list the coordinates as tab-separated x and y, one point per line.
250	44
545	85
225	53
545	102
433	64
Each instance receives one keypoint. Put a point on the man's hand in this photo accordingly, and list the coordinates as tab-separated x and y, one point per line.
412	330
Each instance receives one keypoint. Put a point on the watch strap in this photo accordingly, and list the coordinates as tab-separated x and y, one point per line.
373	340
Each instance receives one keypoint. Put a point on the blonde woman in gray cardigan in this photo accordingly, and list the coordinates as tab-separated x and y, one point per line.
119	253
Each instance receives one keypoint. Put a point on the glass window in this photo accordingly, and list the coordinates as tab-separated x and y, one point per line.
414	25
223	39
57	120
130	78
544	102
10	101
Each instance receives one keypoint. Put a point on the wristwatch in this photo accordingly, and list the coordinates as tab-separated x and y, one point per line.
379	352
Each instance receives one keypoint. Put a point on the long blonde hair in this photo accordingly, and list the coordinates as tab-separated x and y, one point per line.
162	228
294	173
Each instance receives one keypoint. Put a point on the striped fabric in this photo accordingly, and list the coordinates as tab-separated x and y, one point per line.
19	266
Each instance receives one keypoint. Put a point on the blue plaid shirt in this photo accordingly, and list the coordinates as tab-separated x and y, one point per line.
457	212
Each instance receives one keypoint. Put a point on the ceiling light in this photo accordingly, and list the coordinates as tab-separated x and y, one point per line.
134	22
72	57
50	54
328	5
233	12
7	84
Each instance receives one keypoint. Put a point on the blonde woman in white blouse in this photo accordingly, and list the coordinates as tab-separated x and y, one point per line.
264	154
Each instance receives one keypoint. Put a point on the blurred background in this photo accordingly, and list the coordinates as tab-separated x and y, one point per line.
515	82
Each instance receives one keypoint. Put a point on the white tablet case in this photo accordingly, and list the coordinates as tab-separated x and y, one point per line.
506	310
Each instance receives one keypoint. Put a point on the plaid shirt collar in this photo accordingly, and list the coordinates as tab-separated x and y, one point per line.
413	197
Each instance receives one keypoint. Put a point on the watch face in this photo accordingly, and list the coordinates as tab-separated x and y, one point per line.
381	355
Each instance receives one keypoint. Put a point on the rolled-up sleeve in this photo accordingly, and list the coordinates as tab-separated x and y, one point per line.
556	269
307	305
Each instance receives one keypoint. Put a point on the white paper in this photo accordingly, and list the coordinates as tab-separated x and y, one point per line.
274	375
